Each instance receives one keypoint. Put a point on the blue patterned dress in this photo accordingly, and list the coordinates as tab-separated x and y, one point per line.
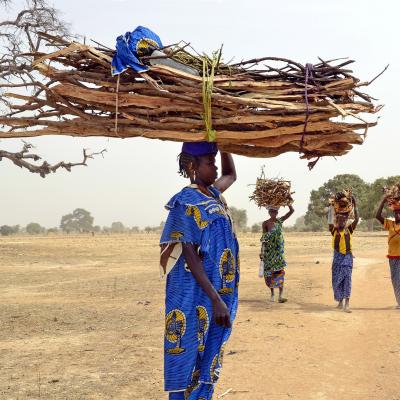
193	343
342	269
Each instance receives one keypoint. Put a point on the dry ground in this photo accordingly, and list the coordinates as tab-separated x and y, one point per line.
81	317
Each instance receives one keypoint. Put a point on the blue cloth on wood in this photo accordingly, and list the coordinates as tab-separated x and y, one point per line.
193	343
129	47
199	148
342	269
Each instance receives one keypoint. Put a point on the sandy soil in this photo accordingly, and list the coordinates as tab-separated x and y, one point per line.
82	318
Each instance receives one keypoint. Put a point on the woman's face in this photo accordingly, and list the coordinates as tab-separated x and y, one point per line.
207	171
341	220
273	213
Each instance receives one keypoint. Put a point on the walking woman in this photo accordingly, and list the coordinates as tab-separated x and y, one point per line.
273	252
393	228
342	265
200	254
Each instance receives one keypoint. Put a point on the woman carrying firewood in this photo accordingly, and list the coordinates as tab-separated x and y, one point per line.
273	251
393	228
342	233
200	254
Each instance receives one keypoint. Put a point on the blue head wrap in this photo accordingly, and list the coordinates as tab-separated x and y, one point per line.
199	148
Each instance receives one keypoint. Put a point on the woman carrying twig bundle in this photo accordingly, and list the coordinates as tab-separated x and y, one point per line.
393	228
200	254
273	251
342	233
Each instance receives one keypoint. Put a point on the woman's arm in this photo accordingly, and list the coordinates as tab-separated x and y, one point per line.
221	313
264	227
356	215
228	172
331	218
378	215
288	214
262	251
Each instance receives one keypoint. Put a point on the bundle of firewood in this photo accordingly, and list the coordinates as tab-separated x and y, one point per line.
342	201
250	108
393	195
272	192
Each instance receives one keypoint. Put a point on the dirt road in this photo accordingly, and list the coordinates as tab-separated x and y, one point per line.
82	318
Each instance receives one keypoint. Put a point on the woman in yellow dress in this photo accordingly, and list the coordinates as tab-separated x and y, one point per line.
393	228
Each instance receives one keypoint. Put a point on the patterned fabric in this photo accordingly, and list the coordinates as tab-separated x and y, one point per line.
342	241
342	268
395	275
393	237
275	279
203	391
194	344
273	249
130	46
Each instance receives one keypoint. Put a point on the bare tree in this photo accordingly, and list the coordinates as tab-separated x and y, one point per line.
20	37
23	35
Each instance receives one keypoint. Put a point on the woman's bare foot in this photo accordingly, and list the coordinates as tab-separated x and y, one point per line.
282	300
272	299
340	304
346	307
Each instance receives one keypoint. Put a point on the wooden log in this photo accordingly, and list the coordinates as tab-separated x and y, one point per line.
312	142
124	100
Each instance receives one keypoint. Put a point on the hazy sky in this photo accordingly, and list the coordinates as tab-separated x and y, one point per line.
137	177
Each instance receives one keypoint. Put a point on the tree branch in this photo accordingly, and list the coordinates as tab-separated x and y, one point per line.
20	159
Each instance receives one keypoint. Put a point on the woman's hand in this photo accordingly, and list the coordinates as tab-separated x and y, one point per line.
221	313
220	310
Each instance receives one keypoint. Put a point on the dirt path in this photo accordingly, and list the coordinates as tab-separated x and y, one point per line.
82	318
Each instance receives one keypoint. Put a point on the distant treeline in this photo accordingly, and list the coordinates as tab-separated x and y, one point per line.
368	196
79	221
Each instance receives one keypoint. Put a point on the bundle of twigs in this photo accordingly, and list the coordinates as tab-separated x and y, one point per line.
393	195
250	108
342	201
272	192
